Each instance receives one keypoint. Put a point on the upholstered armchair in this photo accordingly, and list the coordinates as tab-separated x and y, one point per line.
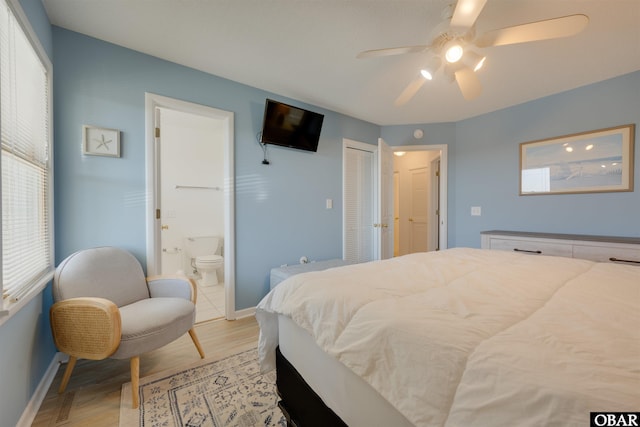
105	307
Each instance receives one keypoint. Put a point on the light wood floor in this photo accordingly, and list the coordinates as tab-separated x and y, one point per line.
92	397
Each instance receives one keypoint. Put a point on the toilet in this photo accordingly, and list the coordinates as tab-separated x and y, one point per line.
204	257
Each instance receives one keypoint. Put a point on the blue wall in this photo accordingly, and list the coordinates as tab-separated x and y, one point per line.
280	212
434	134
484	164
280	208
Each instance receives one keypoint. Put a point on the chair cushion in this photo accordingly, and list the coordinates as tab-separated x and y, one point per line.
105	272
151	323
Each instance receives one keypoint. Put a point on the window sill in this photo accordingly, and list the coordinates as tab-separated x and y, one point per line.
9	309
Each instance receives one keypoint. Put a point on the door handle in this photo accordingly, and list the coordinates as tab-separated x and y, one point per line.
410	219
164	227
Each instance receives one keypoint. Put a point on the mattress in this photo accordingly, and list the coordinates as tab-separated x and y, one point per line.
348	395
467	336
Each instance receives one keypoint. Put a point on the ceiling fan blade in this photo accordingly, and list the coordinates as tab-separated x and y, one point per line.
541	30
409	91
392	51
469	83
466	13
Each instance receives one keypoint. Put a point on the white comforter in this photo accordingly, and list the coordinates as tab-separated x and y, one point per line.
469	337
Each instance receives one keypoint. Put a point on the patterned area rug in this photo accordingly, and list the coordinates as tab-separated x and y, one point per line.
230	392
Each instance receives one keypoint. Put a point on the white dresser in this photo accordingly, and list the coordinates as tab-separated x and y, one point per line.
625	250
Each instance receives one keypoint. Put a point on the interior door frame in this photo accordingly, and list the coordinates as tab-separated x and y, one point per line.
444	161
434	244
152	161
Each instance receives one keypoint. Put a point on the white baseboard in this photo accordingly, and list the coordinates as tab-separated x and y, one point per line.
39	394
246	312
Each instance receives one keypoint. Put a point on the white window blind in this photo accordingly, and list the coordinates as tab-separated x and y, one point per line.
26	170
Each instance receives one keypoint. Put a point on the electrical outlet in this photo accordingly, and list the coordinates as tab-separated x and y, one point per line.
476	211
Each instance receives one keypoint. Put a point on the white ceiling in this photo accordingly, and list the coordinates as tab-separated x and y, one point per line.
306	49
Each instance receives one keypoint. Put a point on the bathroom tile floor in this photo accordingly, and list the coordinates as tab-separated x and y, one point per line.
210	302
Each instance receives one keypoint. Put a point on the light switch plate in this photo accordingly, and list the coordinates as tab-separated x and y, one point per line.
329	204
476	211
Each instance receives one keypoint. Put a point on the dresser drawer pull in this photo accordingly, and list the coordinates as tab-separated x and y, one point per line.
613	259
529	252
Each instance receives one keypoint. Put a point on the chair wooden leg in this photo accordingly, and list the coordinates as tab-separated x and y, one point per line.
67	373
194	338
135	381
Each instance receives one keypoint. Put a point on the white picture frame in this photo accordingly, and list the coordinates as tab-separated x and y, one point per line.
98	141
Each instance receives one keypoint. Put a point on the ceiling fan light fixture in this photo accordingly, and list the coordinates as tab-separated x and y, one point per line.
453	51
473	60
426	74
430	68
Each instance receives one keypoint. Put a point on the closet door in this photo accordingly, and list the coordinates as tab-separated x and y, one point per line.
358	194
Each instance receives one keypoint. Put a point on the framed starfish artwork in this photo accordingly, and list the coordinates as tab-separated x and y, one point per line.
100	141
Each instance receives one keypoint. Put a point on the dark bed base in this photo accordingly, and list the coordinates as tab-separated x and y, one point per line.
301	406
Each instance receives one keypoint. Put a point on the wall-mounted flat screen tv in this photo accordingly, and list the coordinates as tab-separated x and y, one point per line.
290	126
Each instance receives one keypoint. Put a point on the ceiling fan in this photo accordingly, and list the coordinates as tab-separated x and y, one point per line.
454	43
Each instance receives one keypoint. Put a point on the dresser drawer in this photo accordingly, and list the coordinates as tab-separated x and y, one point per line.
621	255
618	249
532	247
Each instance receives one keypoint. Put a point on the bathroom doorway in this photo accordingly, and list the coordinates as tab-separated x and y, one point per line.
192	200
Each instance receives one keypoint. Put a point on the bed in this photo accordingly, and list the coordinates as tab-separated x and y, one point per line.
458	337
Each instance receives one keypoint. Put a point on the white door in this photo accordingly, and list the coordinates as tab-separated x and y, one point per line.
358	201
396	214
418	218
367	201
384	220
191	185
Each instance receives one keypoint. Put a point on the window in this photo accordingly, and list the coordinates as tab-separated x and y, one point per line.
26	236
